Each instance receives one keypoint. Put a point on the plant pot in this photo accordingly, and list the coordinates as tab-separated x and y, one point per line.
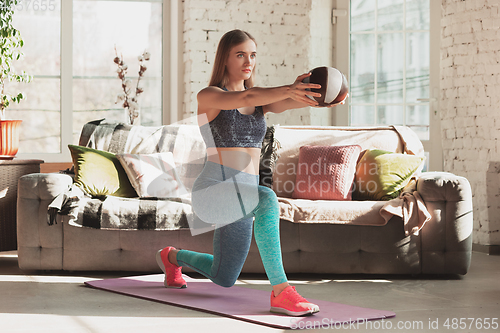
9	138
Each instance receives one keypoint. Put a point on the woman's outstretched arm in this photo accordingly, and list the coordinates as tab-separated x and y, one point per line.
211	98
289	104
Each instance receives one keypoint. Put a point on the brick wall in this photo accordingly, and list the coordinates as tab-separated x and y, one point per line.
286	45
470	105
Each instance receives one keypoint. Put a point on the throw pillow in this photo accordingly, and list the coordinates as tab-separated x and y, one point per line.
381	175
153	175
326	172
99	173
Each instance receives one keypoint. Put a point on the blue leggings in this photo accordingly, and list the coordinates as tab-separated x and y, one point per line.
231	199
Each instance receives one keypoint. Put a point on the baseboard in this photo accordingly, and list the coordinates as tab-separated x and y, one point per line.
489	249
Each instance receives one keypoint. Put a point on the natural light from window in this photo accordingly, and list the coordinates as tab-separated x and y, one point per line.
98	26
389	43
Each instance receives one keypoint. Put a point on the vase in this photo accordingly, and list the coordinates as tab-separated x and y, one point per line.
9	138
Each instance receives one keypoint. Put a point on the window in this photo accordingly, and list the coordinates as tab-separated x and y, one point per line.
41	110
69	49
386	87
392	79
98	27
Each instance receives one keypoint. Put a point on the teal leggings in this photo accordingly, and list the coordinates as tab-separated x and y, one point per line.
231	199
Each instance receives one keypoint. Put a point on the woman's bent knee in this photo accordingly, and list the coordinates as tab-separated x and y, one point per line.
267	198
266	193
225	281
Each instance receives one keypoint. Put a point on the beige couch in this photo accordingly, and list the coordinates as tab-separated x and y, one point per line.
344	237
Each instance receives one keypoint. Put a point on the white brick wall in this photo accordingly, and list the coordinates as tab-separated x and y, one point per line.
292	38
470	105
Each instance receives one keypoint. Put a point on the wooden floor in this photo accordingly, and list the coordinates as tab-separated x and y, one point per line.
58	302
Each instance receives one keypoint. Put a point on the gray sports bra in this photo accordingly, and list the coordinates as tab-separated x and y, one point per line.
233	129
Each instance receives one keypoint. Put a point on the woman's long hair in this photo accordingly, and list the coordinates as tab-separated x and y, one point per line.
230	39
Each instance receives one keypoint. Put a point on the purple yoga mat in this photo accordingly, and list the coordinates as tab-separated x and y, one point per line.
241	303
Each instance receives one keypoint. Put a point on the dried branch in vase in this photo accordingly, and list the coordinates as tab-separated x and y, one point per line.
128	97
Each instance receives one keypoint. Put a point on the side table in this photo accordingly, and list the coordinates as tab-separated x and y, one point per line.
10	172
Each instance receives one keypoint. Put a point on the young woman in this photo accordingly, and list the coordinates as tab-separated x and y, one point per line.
231	119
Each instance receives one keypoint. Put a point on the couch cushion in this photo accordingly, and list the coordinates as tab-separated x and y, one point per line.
381	175
153	175
99	173
331	211
397	139
326	172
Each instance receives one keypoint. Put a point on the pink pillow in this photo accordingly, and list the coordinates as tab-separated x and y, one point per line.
326	172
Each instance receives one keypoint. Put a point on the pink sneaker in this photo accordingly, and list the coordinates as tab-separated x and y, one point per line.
291	303
173	274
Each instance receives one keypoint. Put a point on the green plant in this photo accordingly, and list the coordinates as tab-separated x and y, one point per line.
10	51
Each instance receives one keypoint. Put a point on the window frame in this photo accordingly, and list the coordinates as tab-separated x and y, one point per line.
171	75
341	61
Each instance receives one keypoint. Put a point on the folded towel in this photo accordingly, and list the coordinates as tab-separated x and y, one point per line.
410	207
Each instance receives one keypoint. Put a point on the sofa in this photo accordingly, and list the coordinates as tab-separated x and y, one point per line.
317	236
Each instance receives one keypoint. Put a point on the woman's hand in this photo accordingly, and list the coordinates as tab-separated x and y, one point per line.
297	91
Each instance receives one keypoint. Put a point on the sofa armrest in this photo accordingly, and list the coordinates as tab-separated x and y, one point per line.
39	245
446	240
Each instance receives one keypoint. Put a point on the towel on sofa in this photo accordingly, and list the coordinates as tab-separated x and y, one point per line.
410	207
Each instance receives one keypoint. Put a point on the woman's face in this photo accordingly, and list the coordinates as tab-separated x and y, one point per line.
241	61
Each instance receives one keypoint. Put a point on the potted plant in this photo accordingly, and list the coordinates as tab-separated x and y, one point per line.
10	51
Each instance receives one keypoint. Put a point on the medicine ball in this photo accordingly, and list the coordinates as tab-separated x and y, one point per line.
334	86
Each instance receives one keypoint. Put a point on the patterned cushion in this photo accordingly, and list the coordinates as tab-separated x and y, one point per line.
153	175
99	173
326	172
